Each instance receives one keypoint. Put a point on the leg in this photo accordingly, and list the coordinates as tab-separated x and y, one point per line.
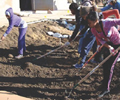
86	47
107	72
21	40
81	39
111	12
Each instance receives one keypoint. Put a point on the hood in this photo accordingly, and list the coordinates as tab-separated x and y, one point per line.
10	10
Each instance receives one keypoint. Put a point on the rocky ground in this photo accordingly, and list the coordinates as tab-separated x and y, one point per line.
51	77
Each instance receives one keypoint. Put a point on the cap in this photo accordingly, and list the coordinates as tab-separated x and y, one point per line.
84	10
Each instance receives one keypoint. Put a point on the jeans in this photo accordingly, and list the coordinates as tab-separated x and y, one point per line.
87	44
21	40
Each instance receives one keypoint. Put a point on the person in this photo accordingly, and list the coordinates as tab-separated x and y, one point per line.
114	4
103	15
84	47
108	35
16	21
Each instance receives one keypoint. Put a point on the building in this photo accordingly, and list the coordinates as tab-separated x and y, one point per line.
32	5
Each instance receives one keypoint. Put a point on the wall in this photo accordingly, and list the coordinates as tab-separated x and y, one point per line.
50	5
60	5
42	4
5	4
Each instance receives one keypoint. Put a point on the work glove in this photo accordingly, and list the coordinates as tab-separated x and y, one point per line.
98	48
67	43
112	51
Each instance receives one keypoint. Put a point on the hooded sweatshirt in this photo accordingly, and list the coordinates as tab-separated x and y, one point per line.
14	20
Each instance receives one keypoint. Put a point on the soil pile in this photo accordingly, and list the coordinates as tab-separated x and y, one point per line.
51	77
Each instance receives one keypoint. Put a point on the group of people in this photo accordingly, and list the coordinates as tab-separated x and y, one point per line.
96	30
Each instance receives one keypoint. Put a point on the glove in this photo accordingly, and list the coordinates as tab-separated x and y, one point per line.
98	48
67	43
112	51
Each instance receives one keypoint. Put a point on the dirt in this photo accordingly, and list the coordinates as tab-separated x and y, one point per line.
53	76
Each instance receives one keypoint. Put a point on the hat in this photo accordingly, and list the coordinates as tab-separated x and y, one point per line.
109	1
84	10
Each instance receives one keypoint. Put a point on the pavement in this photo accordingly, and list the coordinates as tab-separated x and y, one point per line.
30	16
4	95
33	17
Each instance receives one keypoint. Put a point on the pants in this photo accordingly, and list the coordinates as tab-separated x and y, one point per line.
81	39
21	40
107	70
88	42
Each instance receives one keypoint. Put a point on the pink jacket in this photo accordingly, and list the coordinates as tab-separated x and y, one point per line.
112	34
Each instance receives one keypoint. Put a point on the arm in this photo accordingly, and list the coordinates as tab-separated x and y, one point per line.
111	49
78	20
84	30
75	32
9	28
111	12
106	7
81	33
98	9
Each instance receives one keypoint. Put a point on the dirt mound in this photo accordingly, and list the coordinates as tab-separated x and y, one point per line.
51	77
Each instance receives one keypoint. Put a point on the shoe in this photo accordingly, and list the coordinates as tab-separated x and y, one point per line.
103	93
93	61
78	65
19	56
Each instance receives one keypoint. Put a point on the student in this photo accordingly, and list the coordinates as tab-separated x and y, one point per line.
16	21
104	15
114	4
84	47
108	35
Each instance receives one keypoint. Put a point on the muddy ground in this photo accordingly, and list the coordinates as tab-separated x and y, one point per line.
51	77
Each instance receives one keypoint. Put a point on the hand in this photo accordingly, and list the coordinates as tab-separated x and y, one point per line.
70	39
2	38
67	43
78	37
112	51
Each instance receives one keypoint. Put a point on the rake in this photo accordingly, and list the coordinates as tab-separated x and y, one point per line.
91	72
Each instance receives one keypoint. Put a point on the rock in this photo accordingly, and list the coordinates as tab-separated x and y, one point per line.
27	64
49	12
10	56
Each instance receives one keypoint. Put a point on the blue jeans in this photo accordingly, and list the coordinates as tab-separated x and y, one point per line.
81	39
87	44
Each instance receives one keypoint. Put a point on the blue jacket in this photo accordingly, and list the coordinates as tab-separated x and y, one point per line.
13	21
116	6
